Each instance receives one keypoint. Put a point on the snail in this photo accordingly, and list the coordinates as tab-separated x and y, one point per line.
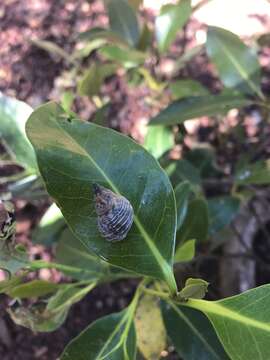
115	213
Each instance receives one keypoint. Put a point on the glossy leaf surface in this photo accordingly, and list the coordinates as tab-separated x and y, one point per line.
108	338
237	64
193	107
171	19
72	155
248	316
222	211
192	334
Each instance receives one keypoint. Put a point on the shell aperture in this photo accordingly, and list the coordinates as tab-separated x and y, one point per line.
115	213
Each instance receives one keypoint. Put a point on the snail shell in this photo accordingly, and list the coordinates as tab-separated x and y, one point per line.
115	213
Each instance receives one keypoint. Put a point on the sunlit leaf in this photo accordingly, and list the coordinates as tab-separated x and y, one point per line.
185	252
171	19
158	140
237	64
50	226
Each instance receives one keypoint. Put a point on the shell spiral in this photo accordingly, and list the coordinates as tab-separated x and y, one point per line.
115	213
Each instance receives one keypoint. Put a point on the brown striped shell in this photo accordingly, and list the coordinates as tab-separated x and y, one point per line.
115	213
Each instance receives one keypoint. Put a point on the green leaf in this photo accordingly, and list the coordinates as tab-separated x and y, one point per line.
237	64
7	285
192	333
12	259
93	78
46	318
151	334
222	211
171	19
106	35
101	115
36	318
13	116
203	158
256	174
185	252
193	107
66	296
146	38
50	226
67	100
195	225
74	155
123	20
185	171
182	192
53	49
186	88
112	337
32	289
129	58
80	264
242	322
194	288
158	140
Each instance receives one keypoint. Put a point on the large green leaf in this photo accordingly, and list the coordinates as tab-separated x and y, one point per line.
237	65
112	337
222	211
171	19
72	155
123	20
242	322
189	108
13	116
191	333
158	140
32	289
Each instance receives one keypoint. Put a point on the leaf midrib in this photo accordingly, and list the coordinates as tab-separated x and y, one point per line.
238	67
